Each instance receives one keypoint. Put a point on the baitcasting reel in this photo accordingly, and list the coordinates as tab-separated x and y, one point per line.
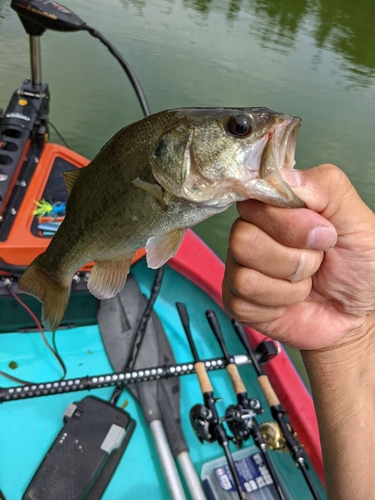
202	421
240	419
205	425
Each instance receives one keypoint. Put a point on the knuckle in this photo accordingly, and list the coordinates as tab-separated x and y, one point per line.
243	282
237	234
245	242
234	306
334	174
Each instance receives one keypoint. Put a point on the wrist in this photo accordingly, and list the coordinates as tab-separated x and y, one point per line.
354	352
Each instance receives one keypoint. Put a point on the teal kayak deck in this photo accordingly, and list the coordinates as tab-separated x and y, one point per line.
29	426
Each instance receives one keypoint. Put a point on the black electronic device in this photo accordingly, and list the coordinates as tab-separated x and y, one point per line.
39	15
85	454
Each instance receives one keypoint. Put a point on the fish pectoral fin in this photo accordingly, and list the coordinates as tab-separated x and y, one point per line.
109	276
161	248
70	177
153	189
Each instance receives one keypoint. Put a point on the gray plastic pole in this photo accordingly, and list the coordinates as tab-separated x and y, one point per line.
166	460
191	477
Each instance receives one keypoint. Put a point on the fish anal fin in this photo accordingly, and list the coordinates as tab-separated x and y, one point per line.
109	276
154	189
161	248
70	177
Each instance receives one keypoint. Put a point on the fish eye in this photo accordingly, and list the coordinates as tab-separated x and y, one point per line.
239	126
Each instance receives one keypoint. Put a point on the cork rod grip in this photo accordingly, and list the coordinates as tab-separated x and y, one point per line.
268	391
204	381
235	377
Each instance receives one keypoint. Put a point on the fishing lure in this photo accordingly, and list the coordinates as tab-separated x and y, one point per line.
44	208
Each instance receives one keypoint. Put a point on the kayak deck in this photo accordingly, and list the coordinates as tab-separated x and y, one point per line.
30	426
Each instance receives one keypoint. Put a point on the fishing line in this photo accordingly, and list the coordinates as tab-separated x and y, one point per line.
41	331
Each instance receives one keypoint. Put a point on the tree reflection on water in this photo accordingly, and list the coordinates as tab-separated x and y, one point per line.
346	28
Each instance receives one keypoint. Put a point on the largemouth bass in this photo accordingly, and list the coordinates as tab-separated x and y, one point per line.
149	183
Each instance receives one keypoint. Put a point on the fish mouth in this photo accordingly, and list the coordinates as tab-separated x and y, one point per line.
278	154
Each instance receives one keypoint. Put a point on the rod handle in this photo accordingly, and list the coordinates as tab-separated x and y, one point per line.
238	385
268	391
203	379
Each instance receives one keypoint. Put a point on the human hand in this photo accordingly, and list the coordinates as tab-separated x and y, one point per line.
305	277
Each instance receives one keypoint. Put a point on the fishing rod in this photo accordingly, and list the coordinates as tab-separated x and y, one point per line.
278	412
205	420
241	417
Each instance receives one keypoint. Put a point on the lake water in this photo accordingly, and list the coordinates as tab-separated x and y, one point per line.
310	58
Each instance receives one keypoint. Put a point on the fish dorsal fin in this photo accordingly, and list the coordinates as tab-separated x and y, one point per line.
153	189
109	276
70	177
161	248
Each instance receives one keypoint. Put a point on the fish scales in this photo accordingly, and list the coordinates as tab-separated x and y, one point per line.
150	182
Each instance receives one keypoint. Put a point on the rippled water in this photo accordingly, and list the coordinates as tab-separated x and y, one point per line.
311	58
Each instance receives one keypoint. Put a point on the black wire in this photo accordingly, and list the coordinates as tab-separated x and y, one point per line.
50	123
132	76
138	339
141	330
58	133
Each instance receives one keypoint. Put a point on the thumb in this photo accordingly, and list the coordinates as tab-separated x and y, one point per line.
328	191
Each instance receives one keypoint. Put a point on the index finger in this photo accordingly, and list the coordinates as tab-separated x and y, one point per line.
253	248
298	228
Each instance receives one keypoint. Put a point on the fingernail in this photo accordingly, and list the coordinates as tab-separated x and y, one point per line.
292	177
322	238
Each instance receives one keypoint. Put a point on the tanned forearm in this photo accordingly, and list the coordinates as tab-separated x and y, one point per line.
343	386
